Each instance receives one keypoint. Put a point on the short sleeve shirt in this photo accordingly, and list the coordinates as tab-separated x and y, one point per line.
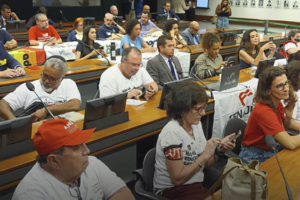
263	121
84	50
5	36
174	143
138	42
35	33
105	32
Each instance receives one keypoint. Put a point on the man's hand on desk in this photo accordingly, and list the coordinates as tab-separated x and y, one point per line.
134	94
39	115
20	71
10	73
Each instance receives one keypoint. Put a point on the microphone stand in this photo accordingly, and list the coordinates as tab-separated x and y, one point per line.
92	48
196	77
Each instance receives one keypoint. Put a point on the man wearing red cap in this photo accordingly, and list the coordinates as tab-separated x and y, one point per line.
65	171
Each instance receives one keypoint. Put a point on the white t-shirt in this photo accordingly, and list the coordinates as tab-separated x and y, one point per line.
22	97
96	182
174	142
289	46
113	82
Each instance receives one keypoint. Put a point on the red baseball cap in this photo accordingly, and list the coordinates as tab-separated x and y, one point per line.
53	134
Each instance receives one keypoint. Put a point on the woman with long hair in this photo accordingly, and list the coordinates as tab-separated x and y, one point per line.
77	33
88	47
223	11
133	38
270	117
250	52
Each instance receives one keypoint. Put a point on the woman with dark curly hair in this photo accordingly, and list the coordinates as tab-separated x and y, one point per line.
182	151
270	117
133	38
210	62
171	28
293	74
250	52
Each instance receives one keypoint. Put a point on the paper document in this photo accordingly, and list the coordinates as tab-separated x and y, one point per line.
134	102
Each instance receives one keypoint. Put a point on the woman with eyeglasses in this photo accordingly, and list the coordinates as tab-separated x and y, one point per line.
270	117
77	33
250	52
88	48
182	151
133	38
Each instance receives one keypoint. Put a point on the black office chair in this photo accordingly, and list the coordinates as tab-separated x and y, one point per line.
144	183
233	126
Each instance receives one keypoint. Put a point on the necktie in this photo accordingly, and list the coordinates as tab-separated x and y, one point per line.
196	39
172	69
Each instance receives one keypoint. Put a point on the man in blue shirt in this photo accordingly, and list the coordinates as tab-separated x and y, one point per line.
8	41
109	27
147	25
9	67
190	35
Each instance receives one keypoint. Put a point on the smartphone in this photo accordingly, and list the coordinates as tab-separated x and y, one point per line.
237	135
271	39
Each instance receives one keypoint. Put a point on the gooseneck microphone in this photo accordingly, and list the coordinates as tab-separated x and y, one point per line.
92	48
192	74
30	87
273	146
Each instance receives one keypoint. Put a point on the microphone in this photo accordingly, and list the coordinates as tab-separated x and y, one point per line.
273	146
30	87
192	74
63	18
92	48
184	45
48	42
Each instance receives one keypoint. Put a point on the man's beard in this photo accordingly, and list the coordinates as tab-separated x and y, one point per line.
48	90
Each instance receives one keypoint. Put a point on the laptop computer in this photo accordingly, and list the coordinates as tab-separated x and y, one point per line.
229	79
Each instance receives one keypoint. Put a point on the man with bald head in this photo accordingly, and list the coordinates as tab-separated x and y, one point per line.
146	8
190	34
109	27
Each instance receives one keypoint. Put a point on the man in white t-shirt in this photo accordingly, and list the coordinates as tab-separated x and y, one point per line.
65	171
128	76
61	95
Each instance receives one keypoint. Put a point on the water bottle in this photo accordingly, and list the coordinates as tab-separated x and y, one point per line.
113	51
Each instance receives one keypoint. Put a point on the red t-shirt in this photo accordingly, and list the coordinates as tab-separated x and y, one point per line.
263	121
35	33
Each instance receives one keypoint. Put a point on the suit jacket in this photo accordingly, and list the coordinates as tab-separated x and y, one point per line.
160	71
188	37
172	13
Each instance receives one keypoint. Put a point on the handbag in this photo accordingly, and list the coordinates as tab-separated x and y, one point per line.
240	181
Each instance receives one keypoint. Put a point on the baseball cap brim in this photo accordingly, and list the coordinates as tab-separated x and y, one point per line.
79	138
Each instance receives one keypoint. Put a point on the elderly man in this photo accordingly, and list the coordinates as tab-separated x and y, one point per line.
7	15
9	67
128	76
167	10
65	171
164	67
190	35
42	32
8	41
61	95
114	10
147	25
109	28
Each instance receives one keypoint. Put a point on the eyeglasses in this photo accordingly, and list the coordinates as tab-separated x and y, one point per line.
281	86
134	64
49	78
43	21
75	191
200	109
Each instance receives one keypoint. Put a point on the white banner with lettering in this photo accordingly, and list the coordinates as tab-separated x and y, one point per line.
234	102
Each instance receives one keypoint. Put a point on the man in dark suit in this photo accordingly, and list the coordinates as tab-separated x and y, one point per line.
167	10
190	35
164	67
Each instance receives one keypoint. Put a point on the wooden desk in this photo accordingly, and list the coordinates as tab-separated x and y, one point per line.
290	162
86	78
116	145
